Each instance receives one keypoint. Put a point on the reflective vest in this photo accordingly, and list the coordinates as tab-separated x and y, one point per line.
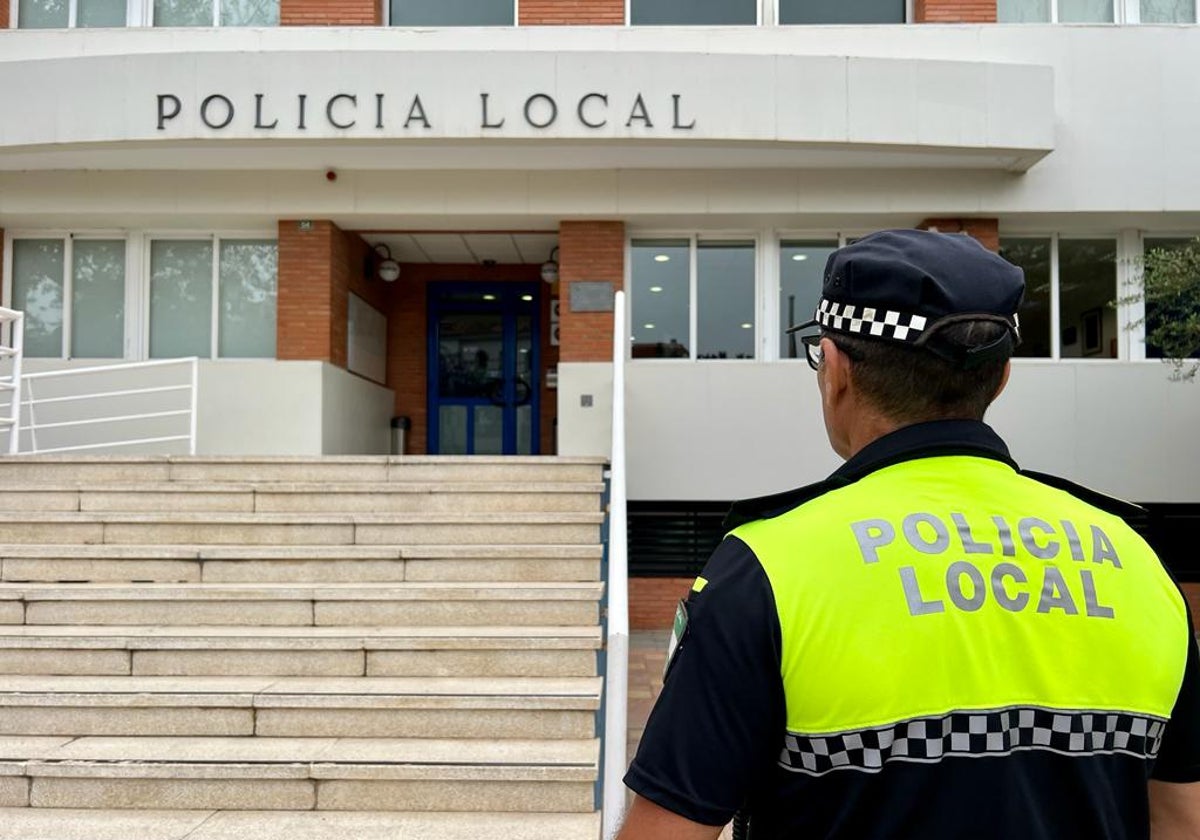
951	606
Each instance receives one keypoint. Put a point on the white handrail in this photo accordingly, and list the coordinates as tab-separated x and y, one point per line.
16	351
617	676
29	401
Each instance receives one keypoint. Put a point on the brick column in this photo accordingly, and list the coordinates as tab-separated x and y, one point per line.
3	15
588	251
954	11
572	12
987	231
318	268
328	12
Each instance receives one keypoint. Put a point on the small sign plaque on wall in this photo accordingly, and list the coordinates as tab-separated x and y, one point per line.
592	296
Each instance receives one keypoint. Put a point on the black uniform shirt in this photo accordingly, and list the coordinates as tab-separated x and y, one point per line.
713	740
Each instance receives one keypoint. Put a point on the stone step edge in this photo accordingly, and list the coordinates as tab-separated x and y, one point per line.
416	591
185	518
472	460
171	551
281	488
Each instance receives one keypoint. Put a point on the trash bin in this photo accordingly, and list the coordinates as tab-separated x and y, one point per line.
400	427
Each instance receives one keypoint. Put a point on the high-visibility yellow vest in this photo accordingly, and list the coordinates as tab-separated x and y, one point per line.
956	585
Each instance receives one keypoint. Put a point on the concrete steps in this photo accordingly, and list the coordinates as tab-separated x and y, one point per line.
335	774
74	824
335	604
299	647
368	707
192	563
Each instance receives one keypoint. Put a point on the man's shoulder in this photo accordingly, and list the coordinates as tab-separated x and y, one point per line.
1128	511
769	507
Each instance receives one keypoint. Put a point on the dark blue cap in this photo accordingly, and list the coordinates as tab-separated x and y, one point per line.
906	285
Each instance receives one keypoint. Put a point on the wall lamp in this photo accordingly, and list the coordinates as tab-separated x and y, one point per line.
380	264
550	268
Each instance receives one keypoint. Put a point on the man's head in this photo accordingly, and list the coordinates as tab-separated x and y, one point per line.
911	326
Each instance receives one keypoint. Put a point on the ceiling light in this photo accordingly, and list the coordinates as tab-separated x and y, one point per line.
656	289
489	297
526	297
747	326
550	267
799	257
662	258
648	326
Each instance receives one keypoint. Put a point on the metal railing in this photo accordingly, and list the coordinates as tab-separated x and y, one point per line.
616	684
15	350
95	389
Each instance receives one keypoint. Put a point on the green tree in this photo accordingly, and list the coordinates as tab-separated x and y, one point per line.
1171	292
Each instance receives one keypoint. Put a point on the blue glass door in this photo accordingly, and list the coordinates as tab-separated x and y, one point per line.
484	369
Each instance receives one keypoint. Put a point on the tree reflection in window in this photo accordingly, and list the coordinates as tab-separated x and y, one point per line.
37	290
248	282
180	298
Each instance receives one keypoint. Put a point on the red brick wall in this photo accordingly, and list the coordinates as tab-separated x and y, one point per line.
954	11
328	12
318	269
588	251
572	12
986	231
3	14
408	321
1191	591
652	601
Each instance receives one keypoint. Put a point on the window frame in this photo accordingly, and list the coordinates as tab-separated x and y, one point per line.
69	238
133	14
147	15
215	237
1125	12
385	16
773	7
693	238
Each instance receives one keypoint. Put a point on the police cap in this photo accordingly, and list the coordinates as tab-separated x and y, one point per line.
907	285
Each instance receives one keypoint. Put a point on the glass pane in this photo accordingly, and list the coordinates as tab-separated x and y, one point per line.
1087	280
801	269
452	430
527	380
1023	11
725	300
180	298
841	11
1085	11
661	297
249	12
183	12
100	13
693	12
452	12
98	299
524	430
37	290
1168	11
1033	255
471	355
42	14
489	430
1154	318
247	275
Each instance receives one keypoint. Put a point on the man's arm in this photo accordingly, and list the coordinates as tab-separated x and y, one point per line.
647	821
1174	812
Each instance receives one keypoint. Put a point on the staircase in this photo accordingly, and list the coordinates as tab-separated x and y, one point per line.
301	648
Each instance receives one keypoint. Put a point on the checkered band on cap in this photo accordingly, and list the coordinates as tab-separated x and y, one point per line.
974	734
870	320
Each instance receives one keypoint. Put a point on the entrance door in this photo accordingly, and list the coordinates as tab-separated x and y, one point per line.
484	369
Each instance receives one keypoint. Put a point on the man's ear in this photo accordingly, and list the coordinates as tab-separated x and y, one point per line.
835	370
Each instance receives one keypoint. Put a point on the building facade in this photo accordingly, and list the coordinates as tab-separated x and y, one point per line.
238	180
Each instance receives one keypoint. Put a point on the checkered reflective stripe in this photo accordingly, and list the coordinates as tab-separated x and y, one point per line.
869	320
975	734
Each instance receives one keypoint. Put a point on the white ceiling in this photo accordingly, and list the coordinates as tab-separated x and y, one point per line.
459	248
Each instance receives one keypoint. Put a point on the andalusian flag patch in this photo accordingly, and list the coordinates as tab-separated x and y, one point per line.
678	631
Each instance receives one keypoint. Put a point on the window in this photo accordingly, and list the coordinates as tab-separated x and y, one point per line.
668	275
1078	276
841	11
1095	11
60	14
1154	319
693	12
90	273
194	298
801	271
1033	255
451	13
216	12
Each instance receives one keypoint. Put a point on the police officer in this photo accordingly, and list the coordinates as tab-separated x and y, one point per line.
931	643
